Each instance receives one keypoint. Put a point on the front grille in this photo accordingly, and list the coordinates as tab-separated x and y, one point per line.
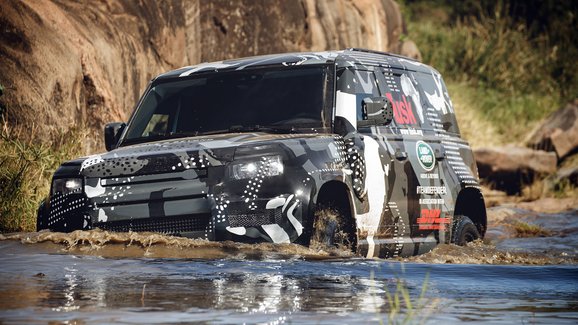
265	217
166	225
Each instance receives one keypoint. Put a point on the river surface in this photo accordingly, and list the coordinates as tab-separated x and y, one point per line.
101	278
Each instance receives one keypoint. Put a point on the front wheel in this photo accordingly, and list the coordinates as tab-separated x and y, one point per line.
331	230
465	231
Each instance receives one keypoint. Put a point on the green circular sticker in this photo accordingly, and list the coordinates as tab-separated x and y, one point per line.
425	155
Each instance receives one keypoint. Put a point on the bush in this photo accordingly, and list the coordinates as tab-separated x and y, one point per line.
534	35
514	75
26	170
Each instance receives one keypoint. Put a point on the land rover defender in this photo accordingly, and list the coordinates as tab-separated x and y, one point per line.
255	149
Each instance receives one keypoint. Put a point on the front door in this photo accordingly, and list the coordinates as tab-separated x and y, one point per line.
380	170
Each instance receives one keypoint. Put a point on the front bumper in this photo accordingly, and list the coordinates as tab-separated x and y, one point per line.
188	204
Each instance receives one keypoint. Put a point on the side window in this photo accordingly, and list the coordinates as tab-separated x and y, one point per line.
436	97
360	83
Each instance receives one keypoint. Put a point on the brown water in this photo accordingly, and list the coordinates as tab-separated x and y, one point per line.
99	277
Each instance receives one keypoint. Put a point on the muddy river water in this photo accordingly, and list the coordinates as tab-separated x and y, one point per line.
100	278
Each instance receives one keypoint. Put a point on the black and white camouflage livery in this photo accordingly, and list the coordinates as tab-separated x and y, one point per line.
405	180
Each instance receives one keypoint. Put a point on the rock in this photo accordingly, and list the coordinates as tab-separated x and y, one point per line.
568	173
511	159
509	168
558	133
409	49
67	63
494	197
550	205
564	180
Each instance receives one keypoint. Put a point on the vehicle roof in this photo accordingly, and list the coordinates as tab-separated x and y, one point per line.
343	58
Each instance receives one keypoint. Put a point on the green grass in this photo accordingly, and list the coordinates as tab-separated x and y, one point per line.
26	169
525	230
490	117
402	308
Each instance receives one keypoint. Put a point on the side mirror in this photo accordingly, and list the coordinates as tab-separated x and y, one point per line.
112	132
376	111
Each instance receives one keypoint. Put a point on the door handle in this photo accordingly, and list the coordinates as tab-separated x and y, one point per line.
400	155
440	153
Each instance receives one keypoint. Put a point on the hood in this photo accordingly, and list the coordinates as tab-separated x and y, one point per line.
177	154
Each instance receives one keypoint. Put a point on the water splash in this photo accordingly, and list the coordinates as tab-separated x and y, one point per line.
501	246
483	253
132	244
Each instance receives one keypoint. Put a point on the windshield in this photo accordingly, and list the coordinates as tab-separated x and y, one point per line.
249	100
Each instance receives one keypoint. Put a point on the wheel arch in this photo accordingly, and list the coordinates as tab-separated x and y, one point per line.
470	202
334	191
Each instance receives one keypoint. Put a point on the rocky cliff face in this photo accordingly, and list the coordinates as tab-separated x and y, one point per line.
67	64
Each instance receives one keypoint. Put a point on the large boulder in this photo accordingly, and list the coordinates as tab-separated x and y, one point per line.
558	133
68	63
509	168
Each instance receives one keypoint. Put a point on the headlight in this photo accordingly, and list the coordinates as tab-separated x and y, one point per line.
266	166
66	185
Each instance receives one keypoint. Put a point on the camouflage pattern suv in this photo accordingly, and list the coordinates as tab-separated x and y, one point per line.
256	149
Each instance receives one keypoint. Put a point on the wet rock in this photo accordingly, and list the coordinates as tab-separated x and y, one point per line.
550	205
558	133
509	168
84	64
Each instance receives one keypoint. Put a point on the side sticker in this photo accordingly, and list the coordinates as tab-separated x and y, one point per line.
425	155
402	110
432	219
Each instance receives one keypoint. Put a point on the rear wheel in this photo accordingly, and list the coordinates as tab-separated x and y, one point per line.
465	231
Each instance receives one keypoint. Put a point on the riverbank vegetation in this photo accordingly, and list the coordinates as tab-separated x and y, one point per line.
26	169
525	230
507	64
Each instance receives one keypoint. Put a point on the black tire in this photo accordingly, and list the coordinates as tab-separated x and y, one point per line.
465	231
331	230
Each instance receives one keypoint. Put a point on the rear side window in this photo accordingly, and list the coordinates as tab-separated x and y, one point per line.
420	100
437	101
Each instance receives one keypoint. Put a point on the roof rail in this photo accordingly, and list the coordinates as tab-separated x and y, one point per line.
382	53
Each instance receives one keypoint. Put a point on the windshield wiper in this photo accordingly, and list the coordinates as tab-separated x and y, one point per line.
156	137
262	128
234	128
